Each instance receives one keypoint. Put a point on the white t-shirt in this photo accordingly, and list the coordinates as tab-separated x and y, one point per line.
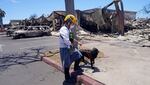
65	42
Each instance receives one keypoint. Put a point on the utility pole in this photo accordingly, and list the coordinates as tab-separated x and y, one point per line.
69	5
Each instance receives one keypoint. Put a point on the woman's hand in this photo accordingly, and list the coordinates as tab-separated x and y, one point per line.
80	43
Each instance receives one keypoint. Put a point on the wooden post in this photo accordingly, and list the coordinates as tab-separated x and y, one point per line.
120	17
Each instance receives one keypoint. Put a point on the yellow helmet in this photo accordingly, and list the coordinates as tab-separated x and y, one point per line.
72	18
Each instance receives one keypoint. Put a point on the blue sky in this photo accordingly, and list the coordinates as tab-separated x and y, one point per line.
21	9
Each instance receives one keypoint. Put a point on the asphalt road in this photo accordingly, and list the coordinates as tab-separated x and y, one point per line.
20	64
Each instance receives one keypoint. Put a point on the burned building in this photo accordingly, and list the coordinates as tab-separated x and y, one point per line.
90	20
56	18
14	23
128	15
93	20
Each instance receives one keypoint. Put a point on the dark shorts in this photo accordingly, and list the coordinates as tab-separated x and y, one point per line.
67	58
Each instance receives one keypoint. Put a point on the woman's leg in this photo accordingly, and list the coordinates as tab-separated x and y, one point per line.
65	59
76	64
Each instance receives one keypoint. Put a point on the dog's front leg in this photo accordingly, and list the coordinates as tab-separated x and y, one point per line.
92	62
82	58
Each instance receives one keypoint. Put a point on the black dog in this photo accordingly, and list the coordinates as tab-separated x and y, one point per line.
90	54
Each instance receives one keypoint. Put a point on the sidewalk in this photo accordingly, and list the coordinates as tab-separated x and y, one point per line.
118	63
122	64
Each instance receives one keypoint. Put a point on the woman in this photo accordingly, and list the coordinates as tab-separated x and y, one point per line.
68	52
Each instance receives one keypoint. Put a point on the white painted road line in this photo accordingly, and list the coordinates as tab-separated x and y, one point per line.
1	50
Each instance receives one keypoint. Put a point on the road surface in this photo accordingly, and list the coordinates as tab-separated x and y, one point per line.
20	65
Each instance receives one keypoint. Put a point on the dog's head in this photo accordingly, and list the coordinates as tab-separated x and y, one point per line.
94	52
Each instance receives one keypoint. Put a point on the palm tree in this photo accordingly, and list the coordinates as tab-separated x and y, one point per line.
2	14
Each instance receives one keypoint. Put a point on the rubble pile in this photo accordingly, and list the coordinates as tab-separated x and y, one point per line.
138	32
137	24
139	36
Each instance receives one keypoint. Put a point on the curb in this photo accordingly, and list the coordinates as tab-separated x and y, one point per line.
2	33
86	80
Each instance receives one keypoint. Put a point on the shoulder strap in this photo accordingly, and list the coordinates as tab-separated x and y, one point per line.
61	36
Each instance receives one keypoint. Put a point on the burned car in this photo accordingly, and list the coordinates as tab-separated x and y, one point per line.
30	31
46	30
11	30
